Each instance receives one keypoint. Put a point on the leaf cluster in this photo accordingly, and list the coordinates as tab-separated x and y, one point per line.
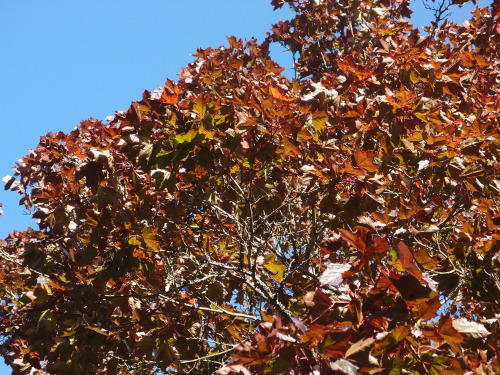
240	222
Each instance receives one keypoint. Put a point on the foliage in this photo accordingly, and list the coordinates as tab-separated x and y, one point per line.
240	222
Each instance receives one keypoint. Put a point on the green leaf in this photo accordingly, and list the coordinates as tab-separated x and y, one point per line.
85	255
391	339
186	137
134	241
47	322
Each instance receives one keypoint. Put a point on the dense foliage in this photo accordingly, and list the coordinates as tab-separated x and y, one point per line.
240	222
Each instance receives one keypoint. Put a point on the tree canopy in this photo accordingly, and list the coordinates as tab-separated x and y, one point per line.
237	221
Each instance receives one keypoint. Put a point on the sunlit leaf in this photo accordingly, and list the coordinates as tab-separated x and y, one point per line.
333	274
150	238
365	160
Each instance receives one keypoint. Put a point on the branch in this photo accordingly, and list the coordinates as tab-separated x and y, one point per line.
163	297
9	258
207	356
440	13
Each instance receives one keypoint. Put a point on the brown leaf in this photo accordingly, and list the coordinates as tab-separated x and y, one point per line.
410	287
355	239
450	334
289	149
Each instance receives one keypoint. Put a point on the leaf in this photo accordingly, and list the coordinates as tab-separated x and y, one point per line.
289	149
410	287
216	292
150	238
344	366
46	322
187	137
233	370
391	339
359	346
170	93
317	299
365	160
299	324
414	76
284	337
85	255
422	164
199	106
470	328
276	92
275	267
428	309
355	239
333	274
429	228
9	180
430	282
450	334
134	241
367	220
407	261
427	262
319	120
98	330
164	354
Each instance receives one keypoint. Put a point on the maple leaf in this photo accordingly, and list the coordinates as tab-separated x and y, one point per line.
149	237
365	160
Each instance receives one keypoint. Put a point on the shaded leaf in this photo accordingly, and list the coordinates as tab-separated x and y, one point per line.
450	334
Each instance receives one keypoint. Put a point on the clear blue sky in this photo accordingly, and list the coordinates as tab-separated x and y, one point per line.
65	61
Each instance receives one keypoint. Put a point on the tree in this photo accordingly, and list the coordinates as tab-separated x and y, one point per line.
240	222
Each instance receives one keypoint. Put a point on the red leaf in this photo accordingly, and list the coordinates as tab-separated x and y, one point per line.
408	262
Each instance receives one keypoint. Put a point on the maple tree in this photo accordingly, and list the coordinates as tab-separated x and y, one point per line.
240	222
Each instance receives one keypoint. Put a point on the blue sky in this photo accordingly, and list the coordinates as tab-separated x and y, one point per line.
65	61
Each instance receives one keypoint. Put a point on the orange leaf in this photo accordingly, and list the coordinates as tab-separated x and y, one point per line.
276	93
365	160
170	94
348	168
289	149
